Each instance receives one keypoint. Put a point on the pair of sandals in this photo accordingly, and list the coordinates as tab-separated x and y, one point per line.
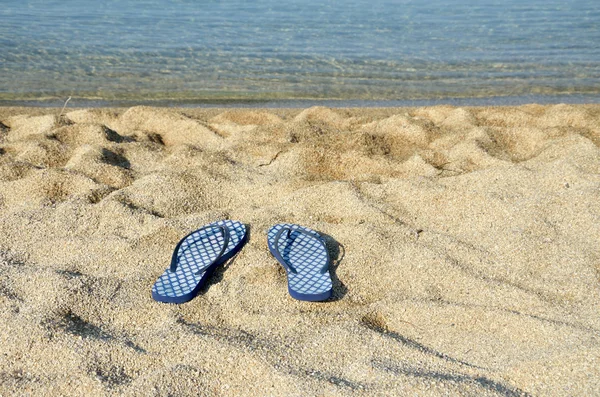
300	250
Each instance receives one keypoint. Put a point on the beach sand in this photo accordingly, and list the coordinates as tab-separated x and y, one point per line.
465	243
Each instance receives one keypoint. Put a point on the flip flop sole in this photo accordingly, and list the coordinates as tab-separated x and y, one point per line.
191	273
308	256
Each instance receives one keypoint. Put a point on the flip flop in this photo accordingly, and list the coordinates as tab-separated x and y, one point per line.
196	257
303	254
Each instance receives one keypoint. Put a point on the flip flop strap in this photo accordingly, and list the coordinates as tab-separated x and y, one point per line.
287	265
224	230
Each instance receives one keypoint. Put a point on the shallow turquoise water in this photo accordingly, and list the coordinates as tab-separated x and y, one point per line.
189	52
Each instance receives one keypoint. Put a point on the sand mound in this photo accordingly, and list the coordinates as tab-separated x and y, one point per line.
246	117
464	240
22	126
169	127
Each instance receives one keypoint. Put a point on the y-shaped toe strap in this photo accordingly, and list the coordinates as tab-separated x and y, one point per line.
287	265
176	254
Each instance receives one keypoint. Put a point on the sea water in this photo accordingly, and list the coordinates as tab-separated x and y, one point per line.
284	52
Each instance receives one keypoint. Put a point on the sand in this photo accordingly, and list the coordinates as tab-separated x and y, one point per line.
465	242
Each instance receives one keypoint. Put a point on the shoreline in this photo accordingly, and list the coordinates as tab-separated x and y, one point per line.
82	102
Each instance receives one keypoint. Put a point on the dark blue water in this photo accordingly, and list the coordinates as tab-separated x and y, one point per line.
190	52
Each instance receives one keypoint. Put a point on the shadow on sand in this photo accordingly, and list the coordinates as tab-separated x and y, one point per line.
336	253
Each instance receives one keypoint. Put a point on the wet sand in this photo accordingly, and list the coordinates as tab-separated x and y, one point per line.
465	242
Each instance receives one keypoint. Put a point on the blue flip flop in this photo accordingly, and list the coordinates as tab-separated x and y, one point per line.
303	254
196	257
